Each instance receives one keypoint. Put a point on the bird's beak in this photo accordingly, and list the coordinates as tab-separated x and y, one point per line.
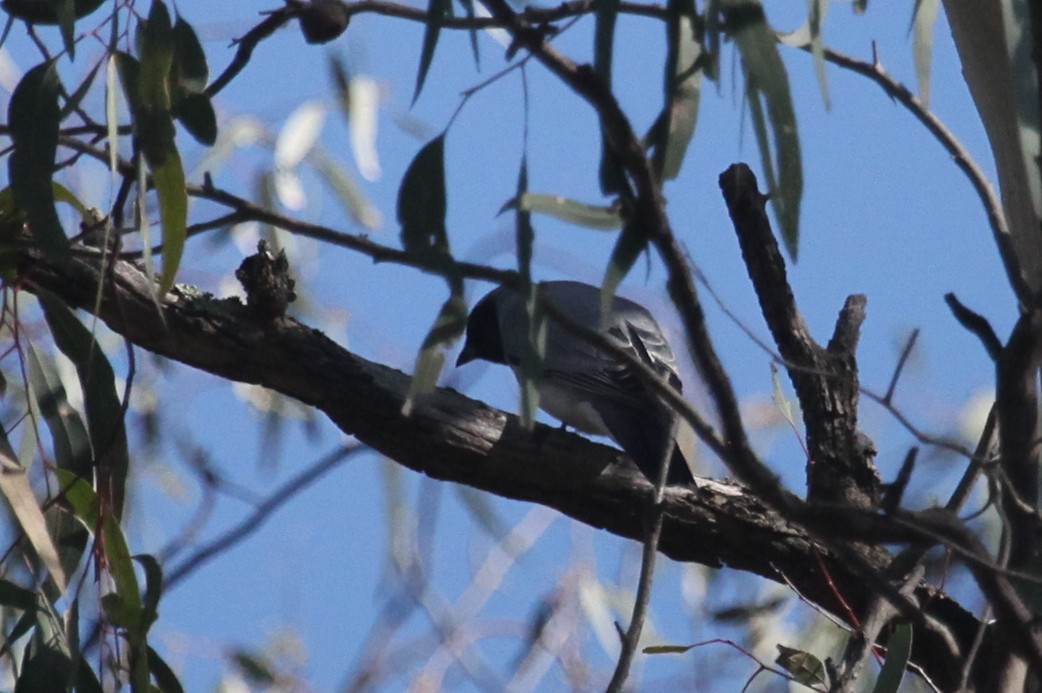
466	355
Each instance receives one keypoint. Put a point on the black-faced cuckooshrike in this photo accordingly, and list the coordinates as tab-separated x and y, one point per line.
579	384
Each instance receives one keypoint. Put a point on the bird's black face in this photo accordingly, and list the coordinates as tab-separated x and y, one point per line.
483	339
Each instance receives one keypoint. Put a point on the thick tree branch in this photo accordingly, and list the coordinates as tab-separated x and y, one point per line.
452	437
839	466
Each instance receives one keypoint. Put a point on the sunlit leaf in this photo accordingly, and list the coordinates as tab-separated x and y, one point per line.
781	402
14	484
111	112
299	134
923	19
362	127
422	203
86	507
437	10
766	79
34	117
346	190
578	213
898	651
667	649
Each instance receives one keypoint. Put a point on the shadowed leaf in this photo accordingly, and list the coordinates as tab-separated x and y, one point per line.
898	650
34	117
104	410
448	326
437	10
422	200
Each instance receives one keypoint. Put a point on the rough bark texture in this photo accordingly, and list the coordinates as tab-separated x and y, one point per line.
452	437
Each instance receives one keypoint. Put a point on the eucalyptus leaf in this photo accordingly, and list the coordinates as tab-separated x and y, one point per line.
447	327
898	651
572	211
34	116
770	103
422	203
104	409
437	10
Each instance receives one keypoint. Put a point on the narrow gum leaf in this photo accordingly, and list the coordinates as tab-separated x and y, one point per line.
447	327
436	12
69	435
923	20
682	86
572	211
103	406
898	650
14	484
631	243
169	181
766	78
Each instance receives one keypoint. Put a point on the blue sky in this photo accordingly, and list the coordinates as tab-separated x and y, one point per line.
885	213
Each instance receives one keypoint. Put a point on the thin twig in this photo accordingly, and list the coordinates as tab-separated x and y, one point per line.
260	515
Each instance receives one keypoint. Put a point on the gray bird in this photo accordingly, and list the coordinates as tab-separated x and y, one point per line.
579	384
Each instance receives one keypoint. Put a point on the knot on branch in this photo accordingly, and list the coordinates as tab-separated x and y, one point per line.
266	280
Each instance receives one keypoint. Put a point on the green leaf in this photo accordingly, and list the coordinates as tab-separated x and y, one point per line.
14	485
46	11
630	244
34	117
164	676
112	113
437	10
104	410
69	435
422	200
612	177
804	667
898	651
578	213
447	327
667	649
16	596
153	584
169	181
676	125
86	507
190	72
45	669
196	113
781	402
766	79
531	353
923	19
